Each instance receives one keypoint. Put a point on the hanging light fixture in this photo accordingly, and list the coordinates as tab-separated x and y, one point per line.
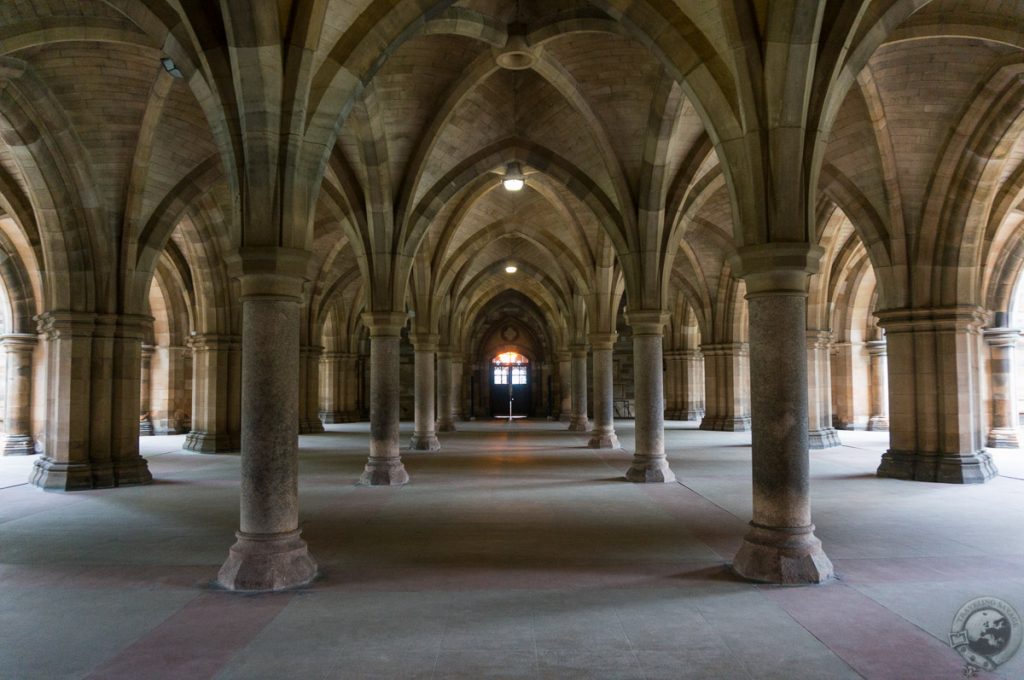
511	268
514	180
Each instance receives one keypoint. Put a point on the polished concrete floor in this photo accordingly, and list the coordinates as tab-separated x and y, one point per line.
515	553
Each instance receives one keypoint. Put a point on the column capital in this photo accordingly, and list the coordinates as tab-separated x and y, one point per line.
777	268
18	342
724	348
819	339
647	322
60	324
1001	337
424	342
674	354
384	323
273	272
444	354
603	340
213	341
968	318
877	348
563	355
578	350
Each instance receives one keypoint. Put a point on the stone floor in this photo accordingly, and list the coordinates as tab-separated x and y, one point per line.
514	553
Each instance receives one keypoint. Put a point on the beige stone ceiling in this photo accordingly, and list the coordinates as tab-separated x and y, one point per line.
104	156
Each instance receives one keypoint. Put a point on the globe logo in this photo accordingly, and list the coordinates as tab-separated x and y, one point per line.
986	633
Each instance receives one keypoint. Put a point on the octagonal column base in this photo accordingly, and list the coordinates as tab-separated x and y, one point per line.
786	556
267	562
384	472
650	470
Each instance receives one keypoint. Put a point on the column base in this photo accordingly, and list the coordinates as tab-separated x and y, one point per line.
786	556
878	424
18	445
311	427
446	426
577	424
53	475
685	414
424	442
650	470
999	438
725	423
604	440
331	417
384	472
146	428
262	562
974	468
132	472
206	442
564	418
825	438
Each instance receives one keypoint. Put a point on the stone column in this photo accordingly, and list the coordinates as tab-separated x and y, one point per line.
332	404
1001	345
821	434
564	386
66	464
603	435
458	380
18	406
170	400
649	461
145	395
936	433
726	367
269	554
424	436
445	400
216	376
579	421
843	417
780	546
119	432
309	385
692	385
384	467
351	386
879	417
674	379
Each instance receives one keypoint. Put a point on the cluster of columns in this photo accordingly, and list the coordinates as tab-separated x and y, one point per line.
18	350
339	388
727	388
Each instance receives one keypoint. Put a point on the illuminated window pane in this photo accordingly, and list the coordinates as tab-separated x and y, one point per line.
518	375
500	375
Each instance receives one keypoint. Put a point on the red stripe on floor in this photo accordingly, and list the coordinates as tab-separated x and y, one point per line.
875	641
198	640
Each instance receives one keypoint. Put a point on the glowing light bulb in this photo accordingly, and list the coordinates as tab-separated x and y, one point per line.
514	179
511	269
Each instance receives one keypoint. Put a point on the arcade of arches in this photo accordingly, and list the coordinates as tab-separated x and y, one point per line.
241	221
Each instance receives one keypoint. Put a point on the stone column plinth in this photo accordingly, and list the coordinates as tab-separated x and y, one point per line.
649	461
268	553
424	436
216	370
821	433
384	467
603	435
1002	343
579	421
145	394
18	349
780	546
564	386
878	420
726	384
445	400
936	432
